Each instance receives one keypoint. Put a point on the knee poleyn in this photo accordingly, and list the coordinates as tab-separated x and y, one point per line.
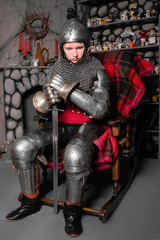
23	153
76	158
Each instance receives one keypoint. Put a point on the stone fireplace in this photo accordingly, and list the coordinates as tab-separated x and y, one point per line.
19	85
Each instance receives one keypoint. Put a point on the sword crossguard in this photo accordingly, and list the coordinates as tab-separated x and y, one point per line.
55	109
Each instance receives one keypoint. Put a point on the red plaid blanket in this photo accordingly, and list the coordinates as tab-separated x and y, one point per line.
108	150
125	69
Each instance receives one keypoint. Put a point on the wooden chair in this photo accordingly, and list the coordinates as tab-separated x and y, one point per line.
127	90
123	169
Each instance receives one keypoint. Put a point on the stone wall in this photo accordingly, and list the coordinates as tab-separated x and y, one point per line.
114	12
16	83
12	19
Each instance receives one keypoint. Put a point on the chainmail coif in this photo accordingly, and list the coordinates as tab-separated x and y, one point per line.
84	71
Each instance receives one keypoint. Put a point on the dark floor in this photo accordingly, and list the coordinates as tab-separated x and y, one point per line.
136	218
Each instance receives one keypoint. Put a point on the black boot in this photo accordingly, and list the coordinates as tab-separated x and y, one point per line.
28	207
72	215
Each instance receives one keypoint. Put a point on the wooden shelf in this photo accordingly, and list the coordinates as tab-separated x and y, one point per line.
153	75
146	48
128	22
151	131
149	103
96	2
148	158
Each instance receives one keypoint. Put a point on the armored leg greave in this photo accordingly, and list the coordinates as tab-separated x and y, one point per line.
75	189
23	153
28	180
77	158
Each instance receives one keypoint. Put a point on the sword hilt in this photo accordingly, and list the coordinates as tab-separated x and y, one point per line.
54	108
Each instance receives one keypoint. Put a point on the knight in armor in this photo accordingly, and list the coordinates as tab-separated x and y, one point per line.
78	84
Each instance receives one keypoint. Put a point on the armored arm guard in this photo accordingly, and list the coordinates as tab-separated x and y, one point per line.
97	105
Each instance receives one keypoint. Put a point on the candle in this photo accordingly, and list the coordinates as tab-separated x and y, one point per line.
55	46
20	41
29	44
24	50
130	44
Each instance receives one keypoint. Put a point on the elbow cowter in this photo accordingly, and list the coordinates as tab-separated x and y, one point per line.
97	105
100	111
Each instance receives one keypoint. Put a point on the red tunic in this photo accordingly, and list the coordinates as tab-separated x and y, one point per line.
73	115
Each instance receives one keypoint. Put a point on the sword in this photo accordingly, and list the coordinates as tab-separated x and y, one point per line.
41	106
55	156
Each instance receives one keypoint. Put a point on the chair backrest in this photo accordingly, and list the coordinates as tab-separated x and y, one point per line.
125	69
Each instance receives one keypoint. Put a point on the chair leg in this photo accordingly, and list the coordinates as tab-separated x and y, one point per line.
115	188
115	177
44	174
106	209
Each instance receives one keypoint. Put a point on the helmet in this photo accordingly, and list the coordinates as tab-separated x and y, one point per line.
74	31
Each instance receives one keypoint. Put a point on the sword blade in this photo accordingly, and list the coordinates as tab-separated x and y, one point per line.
55	156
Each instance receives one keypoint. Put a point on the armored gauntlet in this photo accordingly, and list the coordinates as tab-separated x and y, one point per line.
43	100
63	89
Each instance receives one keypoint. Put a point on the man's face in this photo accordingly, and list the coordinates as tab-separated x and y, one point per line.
73	51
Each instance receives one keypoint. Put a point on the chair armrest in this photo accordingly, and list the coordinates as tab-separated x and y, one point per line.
121	119
120	123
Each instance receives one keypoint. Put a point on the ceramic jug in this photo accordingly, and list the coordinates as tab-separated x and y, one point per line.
39	55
